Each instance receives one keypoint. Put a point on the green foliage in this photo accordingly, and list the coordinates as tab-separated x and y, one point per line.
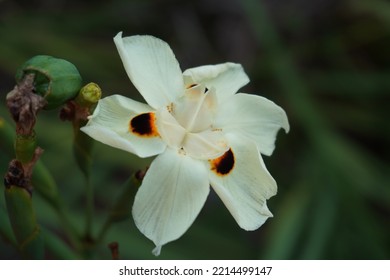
24	223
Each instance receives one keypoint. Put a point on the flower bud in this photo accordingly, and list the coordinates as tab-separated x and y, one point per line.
89	95
56	80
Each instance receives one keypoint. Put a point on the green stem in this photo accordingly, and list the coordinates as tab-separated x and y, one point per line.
25	146
68	227
77	111
82	148
24	223
89	208
103	231
43	182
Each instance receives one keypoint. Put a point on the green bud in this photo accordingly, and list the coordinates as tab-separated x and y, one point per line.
56	80
89	95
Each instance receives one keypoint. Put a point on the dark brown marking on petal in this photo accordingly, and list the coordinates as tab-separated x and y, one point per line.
191	86
144	125
206	90
224	164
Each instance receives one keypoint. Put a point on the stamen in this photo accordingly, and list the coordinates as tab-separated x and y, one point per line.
191	86
170	108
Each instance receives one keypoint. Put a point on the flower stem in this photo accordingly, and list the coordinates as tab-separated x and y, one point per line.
23	221
77	111
89	208
43	183
24	105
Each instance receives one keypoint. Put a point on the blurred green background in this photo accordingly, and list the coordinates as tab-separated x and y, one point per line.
326	62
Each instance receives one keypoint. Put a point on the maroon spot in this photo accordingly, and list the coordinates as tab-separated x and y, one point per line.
224	164
144	125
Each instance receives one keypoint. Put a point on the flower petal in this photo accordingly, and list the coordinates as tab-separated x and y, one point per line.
226	78
205	145
196	108
152	67
254	117
170	130
110	122
243	183
171	196
202	145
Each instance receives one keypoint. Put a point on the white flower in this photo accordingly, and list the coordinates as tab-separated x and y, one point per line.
202	132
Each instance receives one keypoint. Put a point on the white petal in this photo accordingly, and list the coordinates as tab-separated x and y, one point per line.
246	188
202	145
171	196
109	124
196	108
254	117
170	130
152	67
226	78
205	145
